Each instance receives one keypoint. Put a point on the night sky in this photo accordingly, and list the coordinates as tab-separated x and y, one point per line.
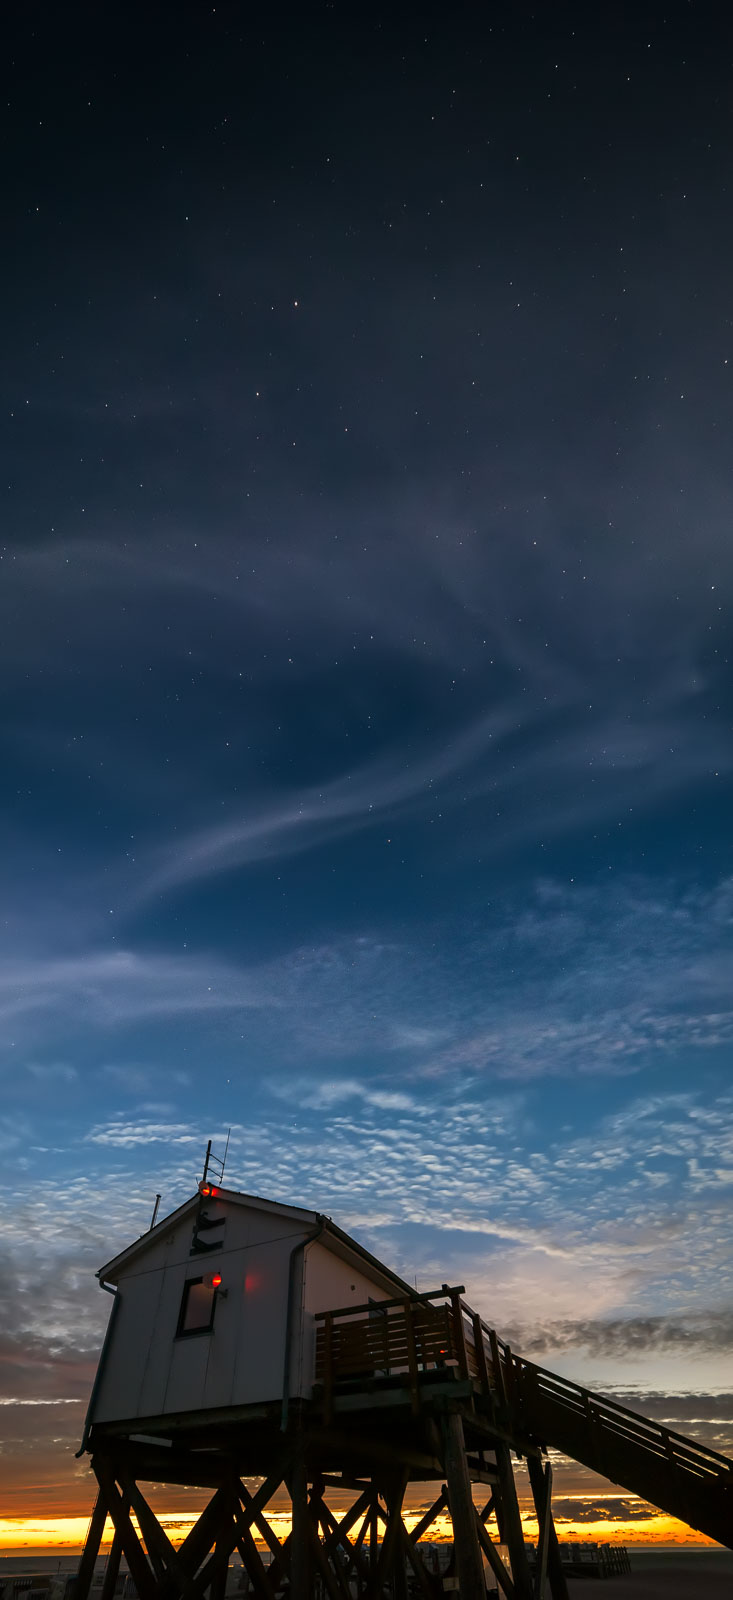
365	611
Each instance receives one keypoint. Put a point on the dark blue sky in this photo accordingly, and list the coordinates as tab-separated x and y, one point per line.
365	619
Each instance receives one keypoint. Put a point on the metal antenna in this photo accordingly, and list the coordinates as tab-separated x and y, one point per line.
206	1162
226	1152
155	1213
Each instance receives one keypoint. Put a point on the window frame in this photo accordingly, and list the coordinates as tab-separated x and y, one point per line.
182	1332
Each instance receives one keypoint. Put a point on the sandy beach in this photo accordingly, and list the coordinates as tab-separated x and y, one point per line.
666	1584
706	1577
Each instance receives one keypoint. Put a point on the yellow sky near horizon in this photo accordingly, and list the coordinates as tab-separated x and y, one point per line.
66	1535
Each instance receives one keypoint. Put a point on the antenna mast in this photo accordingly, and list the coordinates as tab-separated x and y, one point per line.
216	1161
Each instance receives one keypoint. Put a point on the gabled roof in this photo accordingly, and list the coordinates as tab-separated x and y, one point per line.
329	1234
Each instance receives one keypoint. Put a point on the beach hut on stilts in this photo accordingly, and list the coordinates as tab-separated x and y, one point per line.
258	1352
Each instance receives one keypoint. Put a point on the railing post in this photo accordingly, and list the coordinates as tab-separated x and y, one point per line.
459	1333
478	1340
412	1359
499	1383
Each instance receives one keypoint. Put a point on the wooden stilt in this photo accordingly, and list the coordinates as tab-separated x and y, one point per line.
252	1563
112	1568
140	1567
510	1524
91	1548
301	1559
393	1521
541	1481
397	1533
469	1563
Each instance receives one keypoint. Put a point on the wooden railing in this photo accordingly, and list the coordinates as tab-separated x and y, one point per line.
683	1477
406	1337
419	1335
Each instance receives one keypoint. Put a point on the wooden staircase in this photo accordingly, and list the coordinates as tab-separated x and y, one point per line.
437	1335
677	1474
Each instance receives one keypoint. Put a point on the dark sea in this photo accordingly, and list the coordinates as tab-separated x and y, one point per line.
681	1560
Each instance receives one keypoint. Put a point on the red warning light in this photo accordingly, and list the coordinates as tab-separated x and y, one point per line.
216	1280
208	1190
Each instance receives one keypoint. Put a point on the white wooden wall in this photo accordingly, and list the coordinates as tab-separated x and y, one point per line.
329	1283
149	1372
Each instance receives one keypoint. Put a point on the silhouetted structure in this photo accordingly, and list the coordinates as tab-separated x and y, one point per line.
251	1340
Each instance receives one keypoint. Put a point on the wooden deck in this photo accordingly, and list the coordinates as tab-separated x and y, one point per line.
423	1339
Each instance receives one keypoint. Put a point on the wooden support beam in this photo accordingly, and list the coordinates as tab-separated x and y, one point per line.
392	1518
337	1533
495	1562
370	1451
140	1567
432	1512
469	1565
181	1576
541	1482
488	1508
510	1524
219	1568
161	1555
198	1542
395	1498
328	1576
251	1558
429	1585
301	1554
112	1567
253	1505
90	1552
543	1503
374	1536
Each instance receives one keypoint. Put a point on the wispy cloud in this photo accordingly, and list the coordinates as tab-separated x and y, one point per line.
306	818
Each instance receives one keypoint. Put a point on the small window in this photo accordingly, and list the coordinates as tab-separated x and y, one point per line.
197	1307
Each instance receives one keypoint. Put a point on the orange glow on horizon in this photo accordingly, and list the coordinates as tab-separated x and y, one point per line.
65	1535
